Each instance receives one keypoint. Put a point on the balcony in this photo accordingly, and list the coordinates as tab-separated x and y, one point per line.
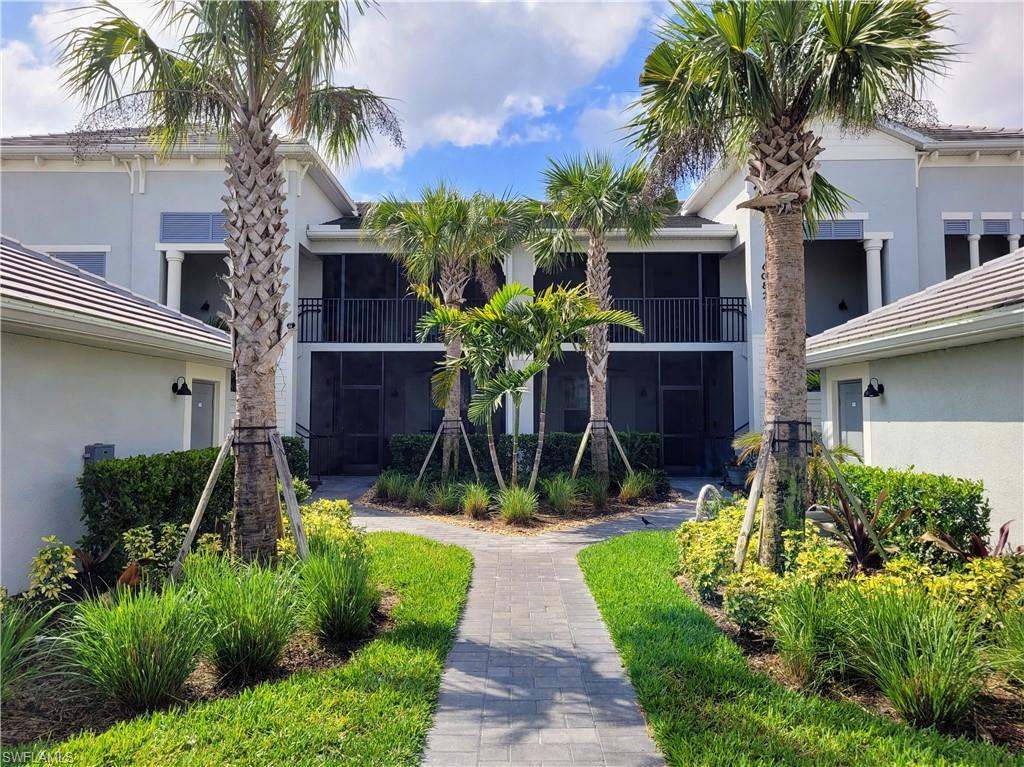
393	320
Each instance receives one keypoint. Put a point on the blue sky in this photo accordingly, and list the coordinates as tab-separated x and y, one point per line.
488	91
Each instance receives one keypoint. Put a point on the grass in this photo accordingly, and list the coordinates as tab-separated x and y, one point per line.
338	593
22	648
475	501
561	492
705	705
375	710
517	505
636	485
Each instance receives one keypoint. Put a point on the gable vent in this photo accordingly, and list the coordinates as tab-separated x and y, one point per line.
191	227
997	226
957	226
843	229
94	263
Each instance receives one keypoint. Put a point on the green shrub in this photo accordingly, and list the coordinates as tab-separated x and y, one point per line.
139	647
248	610
595	491
517	505
337	595
957	507
302	489
417	495
155	551
297	456
805	626
561	492
475	500
636	485
915	649
706	549
150	490
1006	653
408	451
53	570
22	647
814	557
445	497
392	485
749	597
324	518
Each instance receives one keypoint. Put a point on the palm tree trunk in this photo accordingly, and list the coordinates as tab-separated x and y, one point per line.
785	403
514	473
493	449
255	237
452	282
599	278
541	419
486	279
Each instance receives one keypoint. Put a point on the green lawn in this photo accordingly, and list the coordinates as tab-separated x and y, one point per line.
707	707
375	710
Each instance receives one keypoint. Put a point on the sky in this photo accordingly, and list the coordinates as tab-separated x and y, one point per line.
488	91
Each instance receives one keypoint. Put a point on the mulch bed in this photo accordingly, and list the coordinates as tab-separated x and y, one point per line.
545	521
61	707
998	716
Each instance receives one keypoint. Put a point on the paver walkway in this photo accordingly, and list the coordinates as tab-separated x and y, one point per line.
533	677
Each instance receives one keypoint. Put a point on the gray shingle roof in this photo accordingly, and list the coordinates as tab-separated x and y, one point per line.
36	278
993	285
671	222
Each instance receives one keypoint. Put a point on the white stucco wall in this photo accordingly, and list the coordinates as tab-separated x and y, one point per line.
957	411
58	397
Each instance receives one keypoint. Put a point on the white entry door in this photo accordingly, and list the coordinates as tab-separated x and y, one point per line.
851	414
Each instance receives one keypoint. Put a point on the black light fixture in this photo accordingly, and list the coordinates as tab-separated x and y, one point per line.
181	389
290	326
205	307
842	305
874	391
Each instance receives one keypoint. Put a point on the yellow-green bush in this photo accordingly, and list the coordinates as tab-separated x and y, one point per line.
750	596
819	560
329	519
706	549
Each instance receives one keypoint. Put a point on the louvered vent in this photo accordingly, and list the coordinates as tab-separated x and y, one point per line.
95	263
191	227
844	229
997	226
957	226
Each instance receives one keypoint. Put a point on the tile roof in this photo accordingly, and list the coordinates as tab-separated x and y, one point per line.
686	221
995	284
36	278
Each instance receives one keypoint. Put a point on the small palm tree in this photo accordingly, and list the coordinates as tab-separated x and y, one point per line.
243	70
560	316
441	240
588	199
748	79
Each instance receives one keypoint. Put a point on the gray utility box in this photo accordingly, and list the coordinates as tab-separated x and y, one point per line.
98	452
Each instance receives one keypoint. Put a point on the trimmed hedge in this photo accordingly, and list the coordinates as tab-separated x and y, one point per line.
123	493
954	506
409	450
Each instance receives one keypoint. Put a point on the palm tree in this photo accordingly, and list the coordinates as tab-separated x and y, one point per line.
243	69
561	316
588	199
747	80
441	240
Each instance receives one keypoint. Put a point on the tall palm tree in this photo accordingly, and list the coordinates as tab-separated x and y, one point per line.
243	70
589	198
560	316
441	240
748	80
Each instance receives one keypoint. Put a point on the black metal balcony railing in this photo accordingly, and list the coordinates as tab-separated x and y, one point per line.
393	320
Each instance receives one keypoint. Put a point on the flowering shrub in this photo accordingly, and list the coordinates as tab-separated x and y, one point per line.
53	570
324	518
706	549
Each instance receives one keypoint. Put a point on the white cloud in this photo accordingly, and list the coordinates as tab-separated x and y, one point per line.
599	127
534	133
986	87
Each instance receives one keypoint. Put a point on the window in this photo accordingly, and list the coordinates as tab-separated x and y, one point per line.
94	263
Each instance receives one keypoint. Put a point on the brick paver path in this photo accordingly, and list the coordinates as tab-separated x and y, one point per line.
533	677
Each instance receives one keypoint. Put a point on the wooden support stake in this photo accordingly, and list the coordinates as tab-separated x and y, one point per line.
430	452
469	449
615	439
204	501
854	500
291	503
740	555
579	453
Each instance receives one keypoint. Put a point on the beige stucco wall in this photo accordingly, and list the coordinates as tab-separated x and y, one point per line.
957	411
57	397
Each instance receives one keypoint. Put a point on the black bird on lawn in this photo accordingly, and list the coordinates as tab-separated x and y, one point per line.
645	520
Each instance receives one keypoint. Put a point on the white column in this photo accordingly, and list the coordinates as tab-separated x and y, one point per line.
174	260
873	261
526	408
1014	240
972	243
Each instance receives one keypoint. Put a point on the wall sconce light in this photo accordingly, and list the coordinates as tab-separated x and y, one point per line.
842	305
205	307
181	389
290	326
874	391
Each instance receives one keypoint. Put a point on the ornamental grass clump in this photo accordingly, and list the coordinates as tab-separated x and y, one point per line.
249	612
596	490
636	485
416	494
517	505
392	486
445	497
1006	652
475	501
917	650
337	595
138	647
22	646
561	492
805	626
